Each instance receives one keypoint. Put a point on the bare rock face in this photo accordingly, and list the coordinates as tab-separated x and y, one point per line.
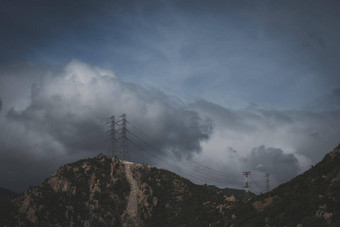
59	184
26	206
260	205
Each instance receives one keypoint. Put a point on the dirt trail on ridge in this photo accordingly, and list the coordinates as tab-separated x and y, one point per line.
132	201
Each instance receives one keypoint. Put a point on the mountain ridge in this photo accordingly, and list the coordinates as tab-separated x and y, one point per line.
98	190
109	192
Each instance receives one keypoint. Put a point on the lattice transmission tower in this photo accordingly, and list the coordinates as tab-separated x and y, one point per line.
113	136
118	136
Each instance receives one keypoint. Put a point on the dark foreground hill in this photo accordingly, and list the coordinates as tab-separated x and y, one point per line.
310	199
6	195
108	192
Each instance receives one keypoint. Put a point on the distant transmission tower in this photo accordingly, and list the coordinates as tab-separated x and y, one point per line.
247	186
123	136
267	182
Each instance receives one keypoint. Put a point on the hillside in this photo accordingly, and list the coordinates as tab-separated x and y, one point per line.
310	199
108	192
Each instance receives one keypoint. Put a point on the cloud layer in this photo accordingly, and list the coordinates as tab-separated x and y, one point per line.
59	115
77	102
282	143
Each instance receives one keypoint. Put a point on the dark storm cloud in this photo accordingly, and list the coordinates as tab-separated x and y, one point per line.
223	117
31	26
284	129
293	140
28	25
282	167
73	106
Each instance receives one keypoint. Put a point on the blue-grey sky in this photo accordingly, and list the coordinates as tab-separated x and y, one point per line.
230	82
273	53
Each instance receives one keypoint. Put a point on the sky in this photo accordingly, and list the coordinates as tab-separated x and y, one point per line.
210	88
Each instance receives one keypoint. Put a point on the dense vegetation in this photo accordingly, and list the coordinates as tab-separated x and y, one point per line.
180	202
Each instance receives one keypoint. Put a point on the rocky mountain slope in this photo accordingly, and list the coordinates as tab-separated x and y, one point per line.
105	191
108	192
91	190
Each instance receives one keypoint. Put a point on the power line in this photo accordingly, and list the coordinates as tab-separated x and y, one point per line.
164	161
207	173
120	139
197	165
160	145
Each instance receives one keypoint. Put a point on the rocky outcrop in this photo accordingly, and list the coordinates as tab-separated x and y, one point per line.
260	205
85	192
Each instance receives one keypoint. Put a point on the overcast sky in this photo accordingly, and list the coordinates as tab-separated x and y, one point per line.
216	87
